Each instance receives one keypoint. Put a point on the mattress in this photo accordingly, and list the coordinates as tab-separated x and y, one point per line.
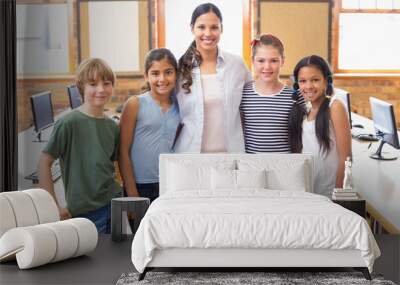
251	219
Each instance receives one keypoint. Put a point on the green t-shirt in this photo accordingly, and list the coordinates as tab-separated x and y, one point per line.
87	148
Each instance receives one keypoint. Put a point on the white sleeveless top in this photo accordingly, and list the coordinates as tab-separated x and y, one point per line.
213	139
325	164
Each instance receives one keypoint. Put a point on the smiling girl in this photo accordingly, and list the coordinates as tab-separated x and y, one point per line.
148	126
266	102
324	130
210	89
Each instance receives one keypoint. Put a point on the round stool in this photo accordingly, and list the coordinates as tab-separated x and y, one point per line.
136	205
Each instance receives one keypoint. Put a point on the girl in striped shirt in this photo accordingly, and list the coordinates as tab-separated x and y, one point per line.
266	102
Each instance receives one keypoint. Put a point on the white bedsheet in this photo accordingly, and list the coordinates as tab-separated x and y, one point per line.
250	219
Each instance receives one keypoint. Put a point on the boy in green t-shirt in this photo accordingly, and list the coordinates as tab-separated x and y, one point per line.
86	143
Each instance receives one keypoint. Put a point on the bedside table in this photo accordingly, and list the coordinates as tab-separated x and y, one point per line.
137	205
357	206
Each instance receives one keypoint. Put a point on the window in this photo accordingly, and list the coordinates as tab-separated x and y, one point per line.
117	31
42	38
53	36
366	36
171	25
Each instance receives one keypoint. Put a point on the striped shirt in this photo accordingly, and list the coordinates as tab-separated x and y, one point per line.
266	120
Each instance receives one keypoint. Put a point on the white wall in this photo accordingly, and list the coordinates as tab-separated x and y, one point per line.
178	35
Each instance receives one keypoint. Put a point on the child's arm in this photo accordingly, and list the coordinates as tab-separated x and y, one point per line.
127	131
341	127
46	182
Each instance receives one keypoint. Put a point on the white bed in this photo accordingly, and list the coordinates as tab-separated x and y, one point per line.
240	210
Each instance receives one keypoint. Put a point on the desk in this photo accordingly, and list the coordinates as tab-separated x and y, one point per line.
28	154
102	266
377	181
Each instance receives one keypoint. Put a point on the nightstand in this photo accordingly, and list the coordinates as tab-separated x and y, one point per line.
137	205
357	206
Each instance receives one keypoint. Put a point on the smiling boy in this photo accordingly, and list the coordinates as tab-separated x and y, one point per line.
86	142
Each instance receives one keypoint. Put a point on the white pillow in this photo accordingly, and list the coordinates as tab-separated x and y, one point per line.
285	174
223	179
251	178
227	179
291	178
193	174
182	177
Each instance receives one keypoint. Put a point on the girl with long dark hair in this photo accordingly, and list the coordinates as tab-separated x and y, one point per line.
210	89
324	129
148	126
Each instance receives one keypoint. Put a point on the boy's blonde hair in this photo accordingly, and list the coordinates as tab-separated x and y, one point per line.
93	69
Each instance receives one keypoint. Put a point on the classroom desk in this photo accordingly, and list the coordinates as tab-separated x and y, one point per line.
29	151
377	181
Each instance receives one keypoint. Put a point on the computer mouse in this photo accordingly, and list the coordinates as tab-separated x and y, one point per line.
358	126
367	137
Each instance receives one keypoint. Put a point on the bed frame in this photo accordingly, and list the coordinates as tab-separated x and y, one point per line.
246	258
243	259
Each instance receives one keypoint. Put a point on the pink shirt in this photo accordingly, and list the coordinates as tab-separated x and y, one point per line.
213	139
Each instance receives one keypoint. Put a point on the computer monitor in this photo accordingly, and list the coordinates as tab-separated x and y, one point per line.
75	99
385	127
344	96
42	110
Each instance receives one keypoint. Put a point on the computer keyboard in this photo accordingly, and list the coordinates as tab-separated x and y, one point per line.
366	137
55	173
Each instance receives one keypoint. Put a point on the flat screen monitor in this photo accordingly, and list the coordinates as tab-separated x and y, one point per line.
75	99
344	96
385	127
42	110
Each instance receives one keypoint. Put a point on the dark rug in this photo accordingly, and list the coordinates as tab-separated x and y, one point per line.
269	278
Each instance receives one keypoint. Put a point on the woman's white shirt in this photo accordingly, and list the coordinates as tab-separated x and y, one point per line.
232	75
213	140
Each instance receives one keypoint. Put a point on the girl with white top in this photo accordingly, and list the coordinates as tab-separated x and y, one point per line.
148	126
324	129
266	102
210	89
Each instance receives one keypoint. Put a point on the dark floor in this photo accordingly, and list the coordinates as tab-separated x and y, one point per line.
102	266
110	260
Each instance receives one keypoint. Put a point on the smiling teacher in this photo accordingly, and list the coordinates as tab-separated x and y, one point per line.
210	89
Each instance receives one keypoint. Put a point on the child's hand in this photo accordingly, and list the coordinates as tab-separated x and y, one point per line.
64	213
